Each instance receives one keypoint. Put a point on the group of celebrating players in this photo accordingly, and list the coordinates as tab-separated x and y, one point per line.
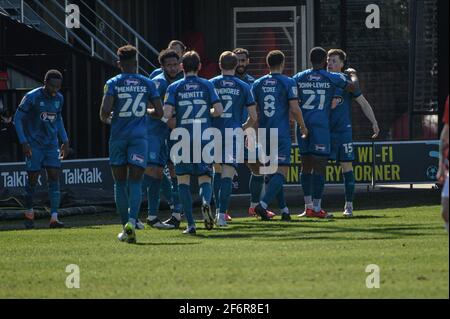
145	113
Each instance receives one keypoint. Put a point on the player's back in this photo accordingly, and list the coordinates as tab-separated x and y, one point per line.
192	98
272	93
316	89
41	114
235	98
132	93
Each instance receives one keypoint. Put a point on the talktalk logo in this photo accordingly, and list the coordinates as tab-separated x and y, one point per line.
48	117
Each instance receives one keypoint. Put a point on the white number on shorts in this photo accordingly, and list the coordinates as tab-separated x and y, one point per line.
312	96
138	109
348	148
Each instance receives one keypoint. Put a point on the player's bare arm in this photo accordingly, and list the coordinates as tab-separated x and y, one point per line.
216	110
368	112
252	119
443	146
155	109
106	109
296	113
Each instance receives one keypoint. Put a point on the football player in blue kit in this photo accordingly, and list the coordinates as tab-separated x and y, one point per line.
179	48
38	124
276	98
194	103
342	149
158	151
316	90
127	100
236	97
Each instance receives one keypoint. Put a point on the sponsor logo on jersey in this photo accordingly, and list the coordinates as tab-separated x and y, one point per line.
320	147
191	86
227	83
270	82
48	117
132	82
314	77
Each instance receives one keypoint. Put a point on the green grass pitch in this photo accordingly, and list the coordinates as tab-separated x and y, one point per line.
249	259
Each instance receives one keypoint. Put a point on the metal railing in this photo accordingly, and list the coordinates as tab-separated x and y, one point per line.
90	36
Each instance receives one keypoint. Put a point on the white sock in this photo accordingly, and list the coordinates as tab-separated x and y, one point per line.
285	210
54	216
308	202
349	205
317	205
253	205
177	216
264	205
150	217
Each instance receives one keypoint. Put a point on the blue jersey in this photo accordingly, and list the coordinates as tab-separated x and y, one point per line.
272	94
341	116
192	99
132	93
236	96
155	73
316	89
38	119
247	78
157	126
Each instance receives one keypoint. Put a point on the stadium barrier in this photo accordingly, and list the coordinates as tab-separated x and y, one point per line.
406	162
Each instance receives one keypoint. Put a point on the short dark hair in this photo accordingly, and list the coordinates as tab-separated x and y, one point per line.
177	42
53	74
228	60
340	53
127	53
191	61
167	54
242	51
275	58
317	55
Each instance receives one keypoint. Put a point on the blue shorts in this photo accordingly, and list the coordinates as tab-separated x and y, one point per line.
342	149
124	152
283	152
169	144
197	169
316	143
157	151
42	157
231	154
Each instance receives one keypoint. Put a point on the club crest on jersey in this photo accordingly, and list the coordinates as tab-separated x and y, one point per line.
57	104
131	82
314	77
48	117
157	84
270	82
226	83
191	86
137	158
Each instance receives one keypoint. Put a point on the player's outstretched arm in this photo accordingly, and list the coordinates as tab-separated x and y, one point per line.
368	112
296	113
106	109
156	111
217	109
252	119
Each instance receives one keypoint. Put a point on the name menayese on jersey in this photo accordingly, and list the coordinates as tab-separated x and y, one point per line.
131	89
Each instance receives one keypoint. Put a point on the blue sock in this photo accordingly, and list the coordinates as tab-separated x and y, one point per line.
55	196
217	182
318	186
153	186
135	198
121	199
306	180
256	185
206	193
29	193
186	202
175	196
273	188
280	198
226	188
166	188
349	180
